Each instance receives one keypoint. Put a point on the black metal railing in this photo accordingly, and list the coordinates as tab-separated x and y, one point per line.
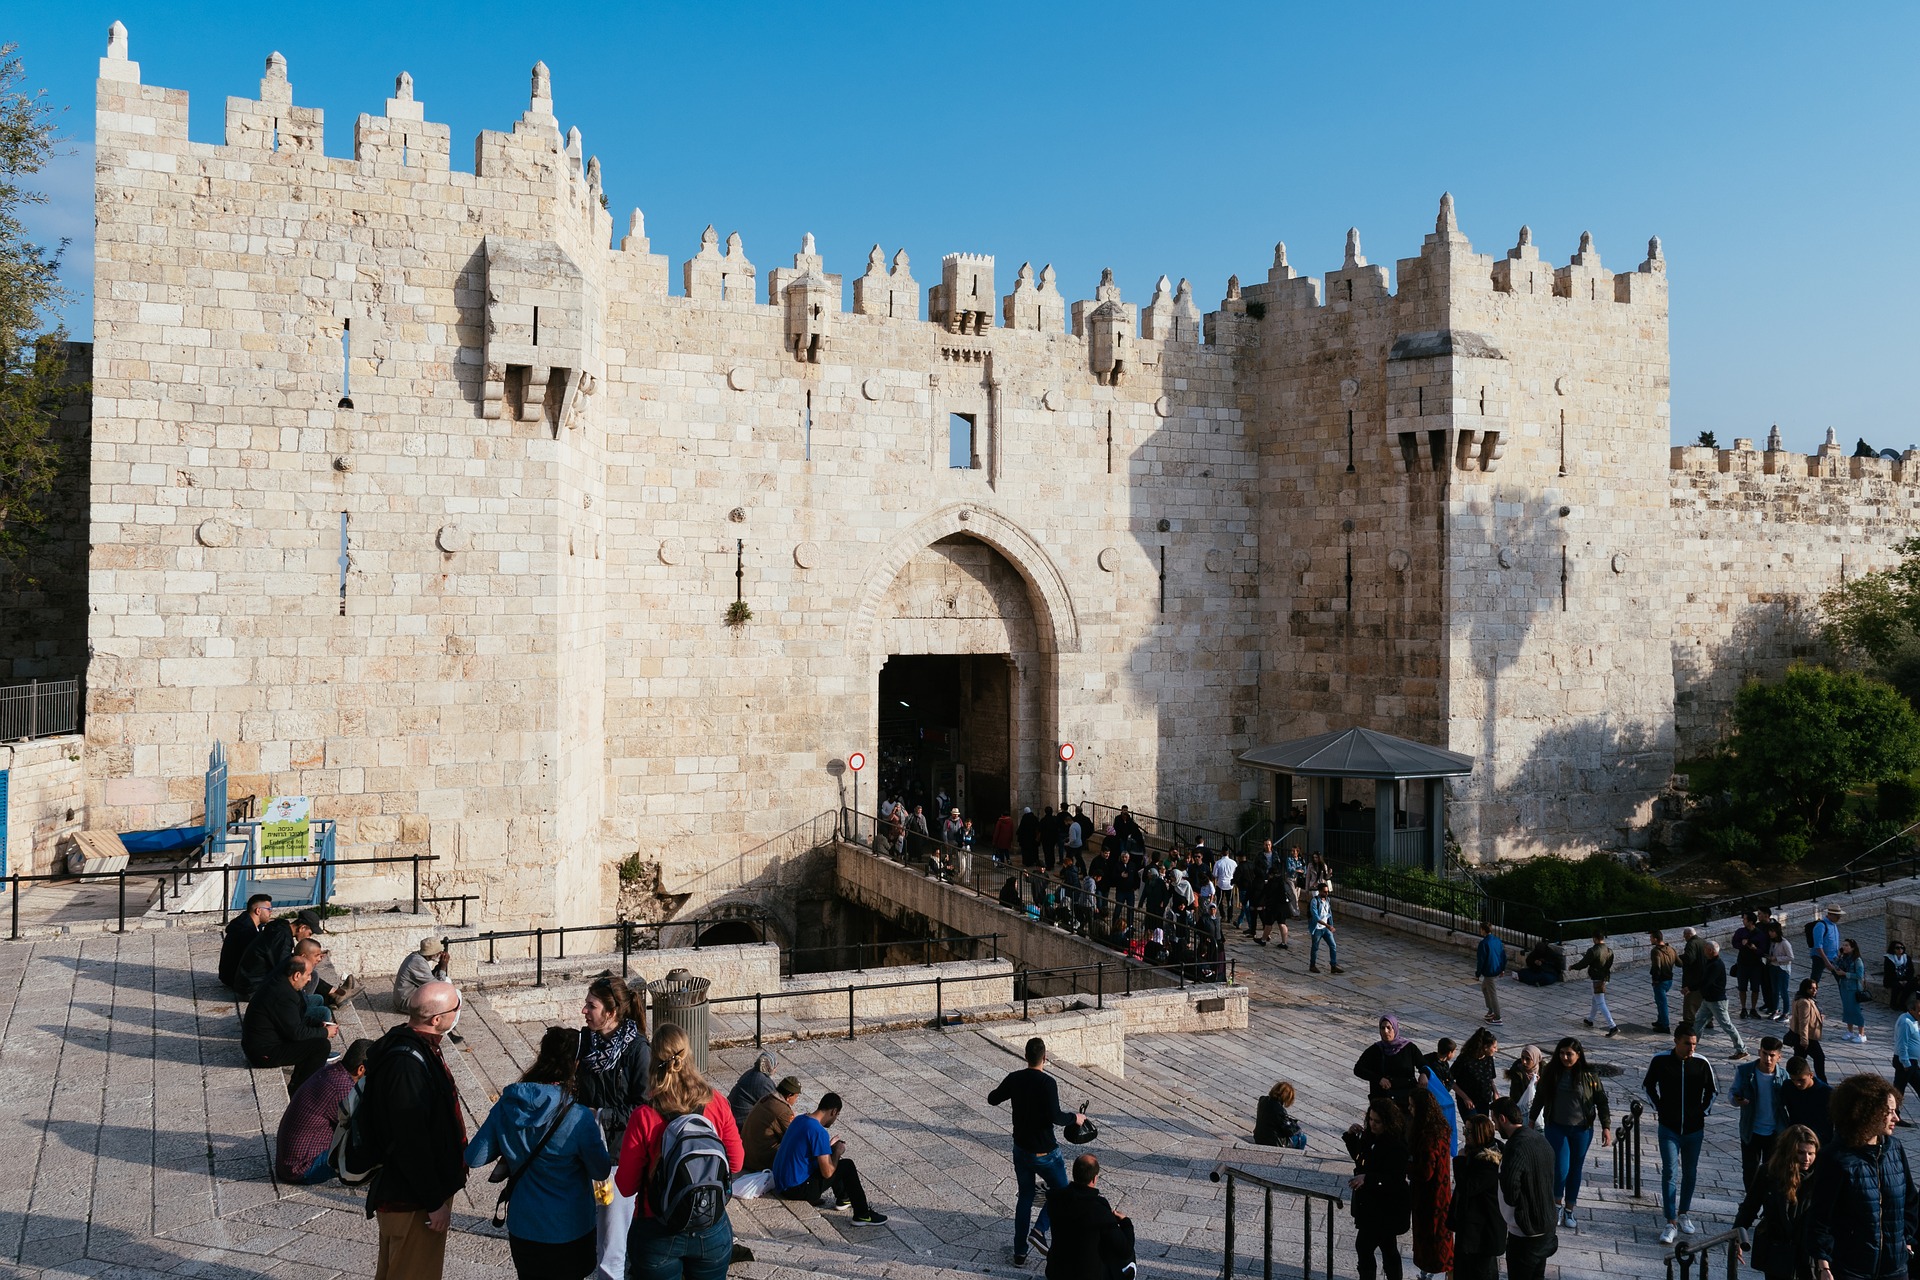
625	932
320	865
1165	831
1122	972
462	898
1626	1152
188	868
39	709
1310	1197
974	870
1689	1253
879	953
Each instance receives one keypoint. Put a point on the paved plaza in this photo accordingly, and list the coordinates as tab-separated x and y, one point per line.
138	1144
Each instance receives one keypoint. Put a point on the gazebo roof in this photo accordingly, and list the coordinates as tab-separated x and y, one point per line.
1358	753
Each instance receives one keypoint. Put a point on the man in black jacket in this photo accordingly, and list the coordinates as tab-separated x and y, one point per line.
1090	1240
414	1119
241	931
276	1033
1526	1188
1036	1154
1681	1087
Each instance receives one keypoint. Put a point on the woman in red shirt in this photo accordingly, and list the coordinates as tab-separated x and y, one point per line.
677	1089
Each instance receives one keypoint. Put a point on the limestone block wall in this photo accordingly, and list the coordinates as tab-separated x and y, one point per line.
46	800
1559	565
1758	536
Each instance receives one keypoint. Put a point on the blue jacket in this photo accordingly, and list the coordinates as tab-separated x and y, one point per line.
1746	1092
1865	1212
553	1201
1490	959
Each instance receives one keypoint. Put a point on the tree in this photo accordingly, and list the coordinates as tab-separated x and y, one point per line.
1877	614
1814	735
33	374
1707	441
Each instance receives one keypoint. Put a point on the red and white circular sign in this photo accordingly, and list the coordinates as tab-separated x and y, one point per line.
1066	752
857	761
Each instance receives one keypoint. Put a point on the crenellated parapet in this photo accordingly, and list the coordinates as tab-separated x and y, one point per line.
1779	466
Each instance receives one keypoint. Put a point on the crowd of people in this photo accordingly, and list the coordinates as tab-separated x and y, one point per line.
616	1158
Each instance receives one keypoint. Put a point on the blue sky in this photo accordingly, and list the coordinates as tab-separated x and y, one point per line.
1770	146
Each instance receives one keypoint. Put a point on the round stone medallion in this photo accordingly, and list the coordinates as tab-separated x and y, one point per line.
1109	559
871	388
452	538
740	378
214	533
806	555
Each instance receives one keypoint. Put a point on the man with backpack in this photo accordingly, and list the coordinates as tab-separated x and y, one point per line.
809	1163
409	1117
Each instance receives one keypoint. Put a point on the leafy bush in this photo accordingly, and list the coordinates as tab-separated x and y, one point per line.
1896	800
630	868
1539	893
1815	734
1415	886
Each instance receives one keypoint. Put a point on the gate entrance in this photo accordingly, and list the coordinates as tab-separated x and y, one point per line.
946	735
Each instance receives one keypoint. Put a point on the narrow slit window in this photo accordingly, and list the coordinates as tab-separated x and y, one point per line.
345	562
1563	579
274	139
1563	442
346	364
536	326
1349	439
960	455
807	427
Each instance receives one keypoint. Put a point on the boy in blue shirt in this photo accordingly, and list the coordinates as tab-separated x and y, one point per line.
809	1163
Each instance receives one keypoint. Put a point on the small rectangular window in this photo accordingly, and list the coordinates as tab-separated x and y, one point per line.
960	454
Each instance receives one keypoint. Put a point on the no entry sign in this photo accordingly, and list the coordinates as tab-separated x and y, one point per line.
1066	752
857	761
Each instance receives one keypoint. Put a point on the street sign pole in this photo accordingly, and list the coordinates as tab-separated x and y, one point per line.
856	762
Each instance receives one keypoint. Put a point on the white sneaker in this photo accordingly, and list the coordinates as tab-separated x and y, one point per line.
1687	1225
1669	1233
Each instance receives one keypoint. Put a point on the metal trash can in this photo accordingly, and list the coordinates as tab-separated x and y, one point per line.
680	1000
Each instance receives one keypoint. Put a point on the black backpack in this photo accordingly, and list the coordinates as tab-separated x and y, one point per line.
693	1180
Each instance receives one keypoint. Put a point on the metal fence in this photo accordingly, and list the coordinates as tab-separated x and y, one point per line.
39	709
1311	1201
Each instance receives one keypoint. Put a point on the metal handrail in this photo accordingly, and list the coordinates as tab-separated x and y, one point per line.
625	928
938	983
1155	820
1690	1252
1333	1200
1626	1151
861	949
160	875
972	879
38	709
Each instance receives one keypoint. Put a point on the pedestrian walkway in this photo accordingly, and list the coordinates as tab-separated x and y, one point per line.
139	1144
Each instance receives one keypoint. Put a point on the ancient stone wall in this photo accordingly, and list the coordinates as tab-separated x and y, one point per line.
550	476
1758	536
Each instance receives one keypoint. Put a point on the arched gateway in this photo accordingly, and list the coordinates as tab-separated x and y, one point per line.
961	625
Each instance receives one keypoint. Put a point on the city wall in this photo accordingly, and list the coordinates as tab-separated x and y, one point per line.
425	493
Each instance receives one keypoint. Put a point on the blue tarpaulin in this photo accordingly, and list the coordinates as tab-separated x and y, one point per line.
170	840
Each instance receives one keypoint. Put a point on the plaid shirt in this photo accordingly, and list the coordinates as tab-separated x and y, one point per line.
306	1129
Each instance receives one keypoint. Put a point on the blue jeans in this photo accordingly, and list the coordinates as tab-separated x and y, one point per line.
1333	952
321	1170
1660	990
1569	1160
1028	1167
1682	1149
652	1254
1782	980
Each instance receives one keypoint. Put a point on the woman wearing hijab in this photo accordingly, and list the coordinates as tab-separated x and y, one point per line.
1523	1076
1390	1065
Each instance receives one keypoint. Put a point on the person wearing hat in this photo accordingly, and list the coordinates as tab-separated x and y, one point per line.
428	964
767	1124
1823	940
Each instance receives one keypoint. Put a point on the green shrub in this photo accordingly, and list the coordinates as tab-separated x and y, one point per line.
1896	800
1414	886
1538	894
630	868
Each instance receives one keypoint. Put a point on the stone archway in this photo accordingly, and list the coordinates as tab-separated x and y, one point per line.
970	606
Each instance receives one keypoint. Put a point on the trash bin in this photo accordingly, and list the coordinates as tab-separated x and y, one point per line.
680	1000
